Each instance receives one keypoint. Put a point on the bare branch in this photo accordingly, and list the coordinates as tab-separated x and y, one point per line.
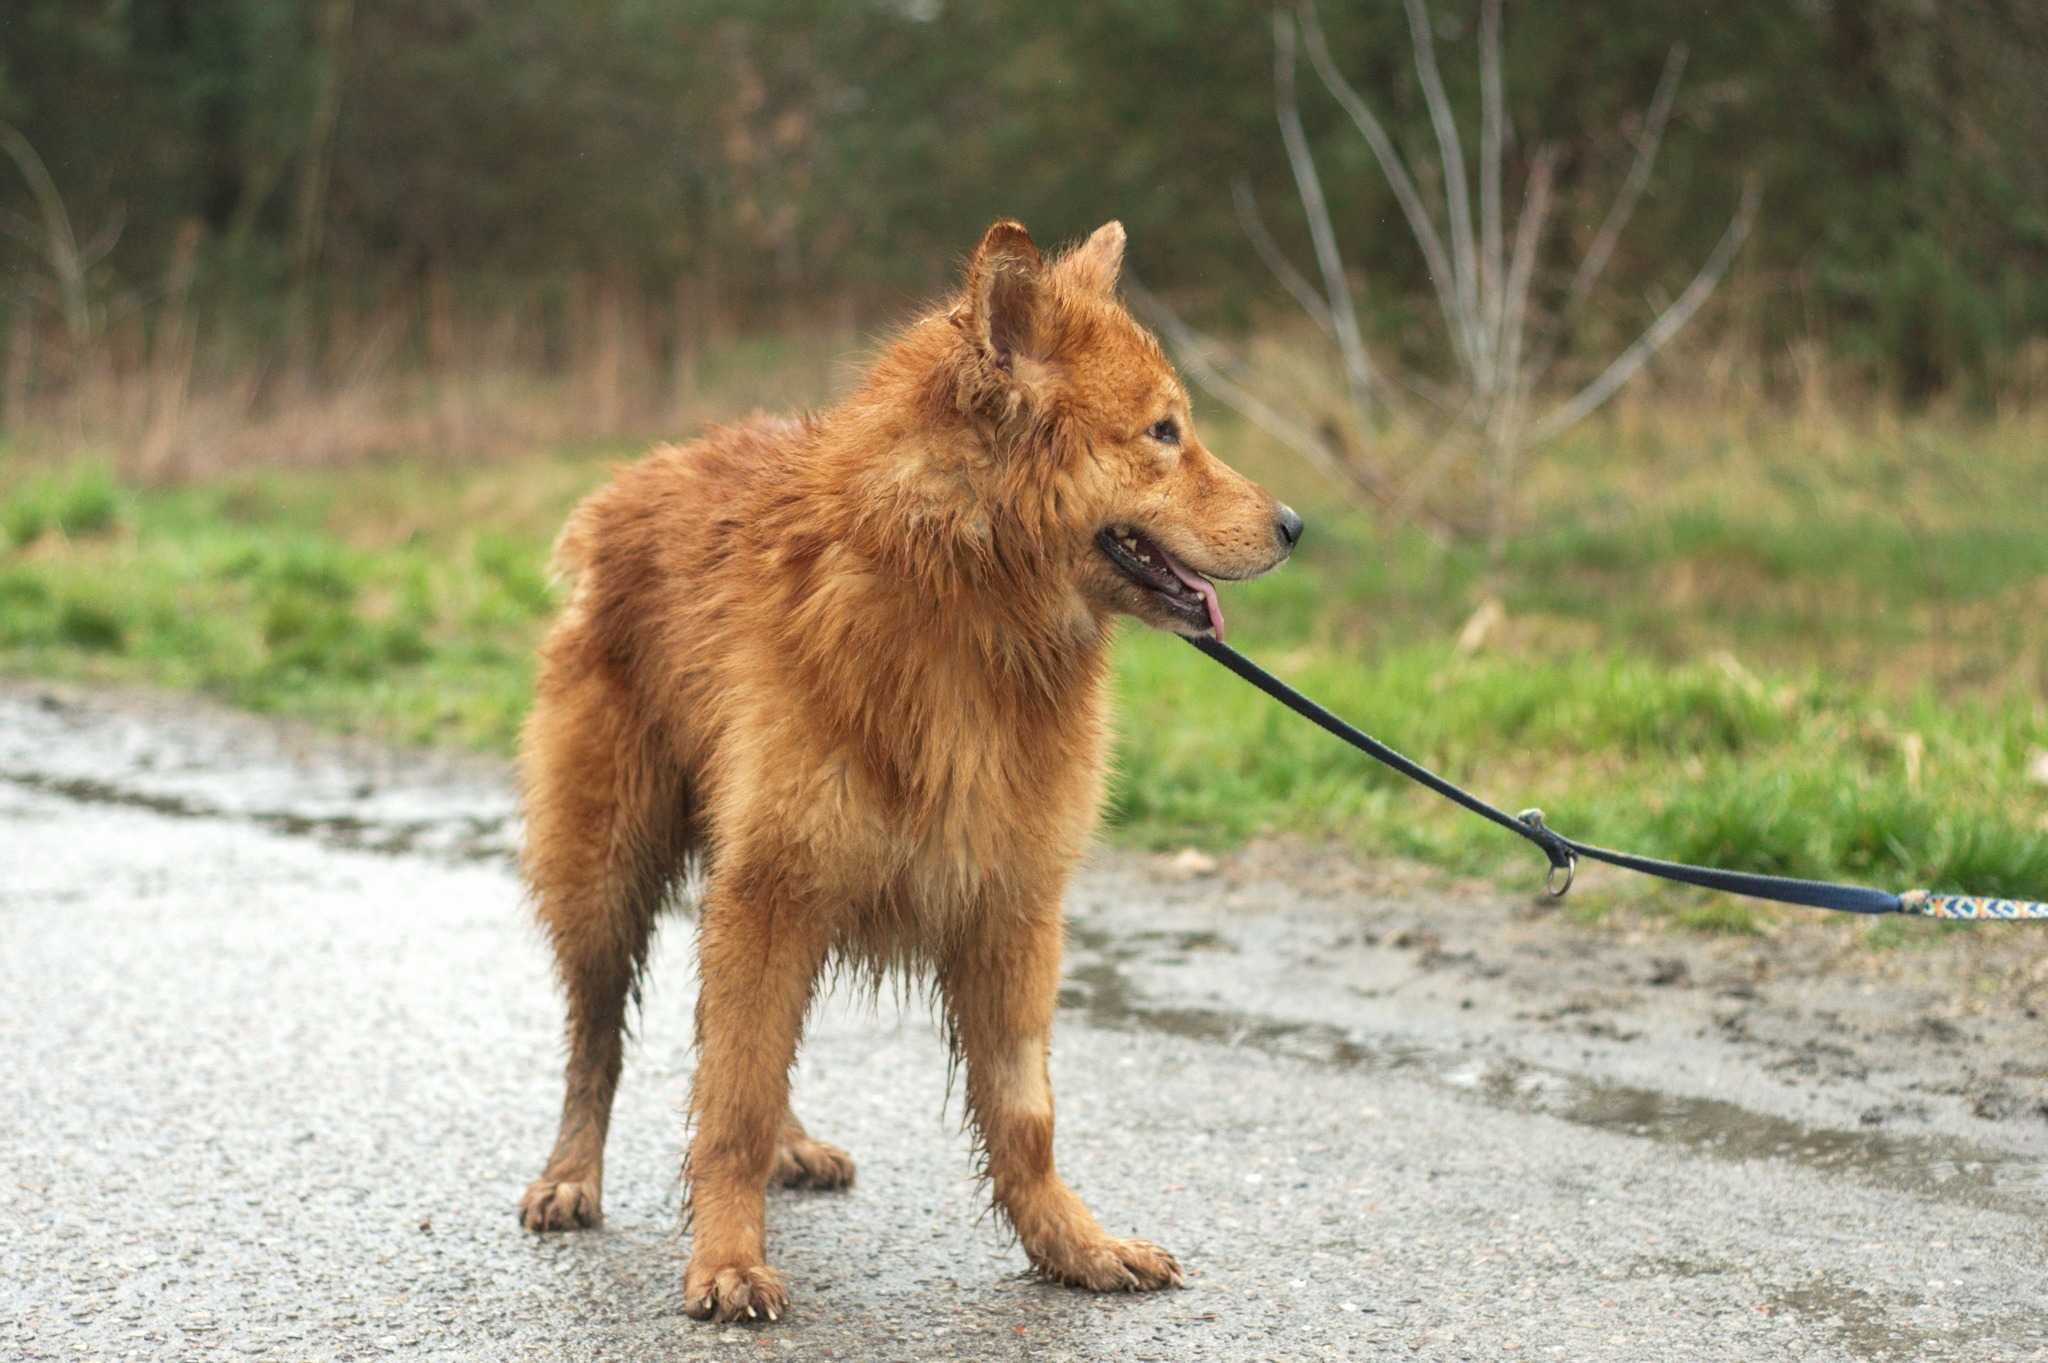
1624	206
1358	375
1276	260
1505	407
1492	115
1522	272
1667	325
1312	302
1618	214
1441	276
1501	342
106	239
60	244
1457	198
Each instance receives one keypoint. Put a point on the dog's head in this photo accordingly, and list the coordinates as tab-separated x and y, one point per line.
1087	415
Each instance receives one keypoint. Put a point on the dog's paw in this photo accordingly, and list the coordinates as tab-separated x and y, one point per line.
723	1292
1108	1265
805	1163
554	1204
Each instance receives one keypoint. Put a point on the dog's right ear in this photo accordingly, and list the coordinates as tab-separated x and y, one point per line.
1005	283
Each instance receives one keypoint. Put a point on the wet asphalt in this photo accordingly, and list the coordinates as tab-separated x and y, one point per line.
280	1053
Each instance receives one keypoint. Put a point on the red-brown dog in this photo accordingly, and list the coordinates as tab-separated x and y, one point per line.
856	663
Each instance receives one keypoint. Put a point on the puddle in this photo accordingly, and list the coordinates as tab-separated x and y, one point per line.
458	837
1927	1168
1873	1328
1870	1326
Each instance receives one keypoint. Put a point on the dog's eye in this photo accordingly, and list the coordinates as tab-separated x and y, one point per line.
1165	430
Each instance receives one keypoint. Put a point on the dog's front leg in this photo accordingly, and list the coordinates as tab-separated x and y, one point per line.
759	951
1000	989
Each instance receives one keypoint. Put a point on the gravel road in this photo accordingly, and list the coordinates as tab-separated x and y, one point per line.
280	1052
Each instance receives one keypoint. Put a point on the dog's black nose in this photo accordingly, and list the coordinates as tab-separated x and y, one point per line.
1289	526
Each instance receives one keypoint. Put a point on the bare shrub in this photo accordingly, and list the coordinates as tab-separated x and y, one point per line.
1505	327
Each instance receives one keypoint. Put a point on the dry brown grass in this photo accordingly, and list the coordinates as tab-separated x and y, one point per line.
172	395
1711	424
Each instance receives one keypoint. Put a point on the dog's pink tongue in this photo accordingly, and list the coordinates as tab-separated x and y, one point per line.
1205	588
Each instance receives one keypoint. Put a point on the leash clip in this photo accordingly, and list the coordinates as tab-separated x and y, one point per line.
1562	858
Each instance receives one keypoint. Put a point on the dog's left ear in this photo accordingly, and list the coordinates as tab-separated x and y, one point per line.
1005	283
1095	264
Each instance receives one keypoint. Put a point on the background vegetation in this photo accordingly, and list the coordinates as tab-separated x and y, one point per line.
537	162
318	316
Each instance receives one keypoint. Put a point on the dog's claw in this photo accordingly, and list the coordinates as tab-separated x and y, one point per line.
561	1204
737	1293
1113	1266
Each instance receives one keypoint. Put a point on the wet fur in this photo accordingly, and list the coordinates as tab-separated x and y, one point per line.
857	664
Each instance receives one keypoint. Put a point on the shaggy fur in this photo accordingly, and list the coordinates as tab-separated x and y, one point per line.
856	664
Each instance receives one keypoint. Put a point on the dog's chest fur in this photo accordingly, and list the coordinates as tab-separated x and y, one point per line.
923	788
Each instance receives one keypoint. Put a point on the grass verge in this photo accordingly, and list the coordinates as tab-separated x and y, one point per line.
1729	677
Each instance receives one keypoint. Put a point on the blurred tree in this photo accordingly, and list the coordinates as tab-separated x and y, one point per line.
788	149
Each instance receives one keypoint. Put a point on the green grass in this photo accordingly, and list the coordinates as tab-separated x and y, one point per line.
307	595
1735	666
1678	761
78	504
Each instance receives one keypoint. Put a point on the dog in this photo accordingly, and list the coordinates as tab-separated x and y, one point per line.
855	666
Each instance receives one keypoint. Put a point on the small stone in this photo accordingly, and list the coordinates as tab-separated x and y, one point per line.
1192	862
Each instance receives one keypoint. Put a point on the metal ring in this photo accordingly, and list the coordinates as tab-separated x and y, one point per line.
1571	872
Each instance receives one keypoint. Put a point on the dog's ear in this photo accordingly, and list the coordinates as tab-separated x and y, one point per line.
1095	264
1005	283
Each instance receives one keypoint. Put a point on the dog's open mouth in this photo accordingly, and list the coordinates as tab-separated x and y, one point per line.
1145	561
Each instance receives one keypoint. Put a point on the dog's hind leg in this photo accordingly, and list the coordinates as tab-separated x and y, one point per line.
605	841
801	1162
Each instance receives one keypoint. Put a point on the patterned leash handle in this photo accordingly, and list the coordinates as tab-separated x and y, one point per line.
1928	904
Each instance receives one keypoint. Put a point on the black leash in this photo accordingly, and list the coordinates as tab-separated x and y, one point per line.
1564	852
